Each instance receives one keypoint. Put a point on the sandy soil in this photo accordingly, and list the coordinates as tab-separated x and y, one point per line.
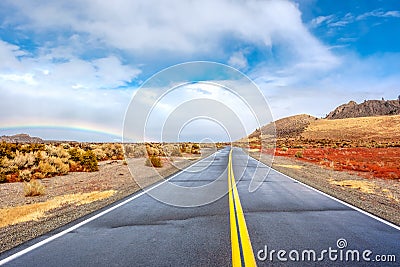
76	195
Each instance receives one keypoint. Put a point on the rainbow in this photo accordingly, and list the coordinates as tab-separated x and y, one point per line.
87	128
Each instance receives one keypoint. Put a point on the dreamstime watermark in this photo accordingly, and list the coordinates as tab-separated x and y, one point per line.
334	254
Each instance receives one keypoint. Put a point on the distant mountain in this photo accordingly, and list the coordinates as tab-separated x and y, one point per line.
20	138
366	109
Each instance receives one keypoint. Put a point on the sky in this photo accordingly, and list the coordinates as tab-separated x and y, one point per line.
69	69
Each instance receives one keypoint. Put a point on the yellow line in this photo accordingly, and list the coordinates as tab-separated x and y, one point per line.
236	261
234	201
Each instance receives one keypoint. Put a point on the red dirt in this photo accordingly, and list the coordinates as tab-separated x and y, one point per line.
368	162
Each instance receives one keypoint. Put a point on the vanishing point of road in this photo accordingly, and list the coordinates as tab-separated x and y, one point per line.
283	222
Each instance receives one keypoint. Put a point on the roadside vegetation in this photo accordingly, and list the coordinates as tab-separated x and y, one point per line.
158	153
26	162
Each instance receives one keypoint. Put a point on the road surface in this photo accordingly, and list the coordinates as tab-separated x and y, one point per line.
282	223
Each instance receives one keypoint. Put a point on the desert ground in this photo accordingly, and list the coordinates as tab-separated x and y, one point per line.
68	197
353	159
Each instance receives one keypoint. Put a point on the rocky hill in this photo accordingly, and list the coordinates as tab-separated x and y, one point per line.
289	127
366	109
20	138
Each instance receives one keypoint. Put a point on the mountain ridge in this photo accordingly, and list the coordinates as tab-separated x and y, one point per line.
368	108
21	138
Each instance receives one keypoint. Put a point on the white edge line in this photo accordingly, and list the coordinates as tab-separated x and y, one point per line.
66	231
336	199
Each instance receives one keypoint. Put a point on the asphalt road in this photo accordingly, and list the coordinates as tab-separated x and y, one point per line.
281	220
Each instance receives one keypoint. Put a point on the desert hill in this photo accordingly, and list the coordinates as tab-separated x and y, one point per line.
20	138
377	128
366	109
309	130
370	121
289	127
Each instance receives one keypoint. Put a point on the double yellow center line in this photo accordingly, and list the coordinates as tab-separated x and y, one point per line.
242	252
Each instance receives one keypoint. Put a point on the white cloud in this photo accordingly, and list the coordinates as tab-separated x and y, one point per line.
8	56
25	78
186	28
36	90
379	13
316	22
238	60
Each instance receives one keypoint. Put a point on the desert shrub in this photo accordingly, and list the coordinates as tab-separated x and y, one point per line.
62	166
65	146
195	149
140	151
89	161
57	151
172	150
299	154
4	163
8	166
7	150
33	188
100	154
151	151
175	152
185	148
154	161
25	175
135	150
196	146
3	177
129	149
47	169
40	156
75	154
113	151
23	160
74	166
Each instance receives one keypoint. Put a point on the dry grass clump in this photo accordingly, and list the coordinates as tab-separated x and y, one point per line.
299	154
363	186
154	161
81	160
195	149
33	188
135	150
156	152
111	151
190	148
23	162
172	150
36	211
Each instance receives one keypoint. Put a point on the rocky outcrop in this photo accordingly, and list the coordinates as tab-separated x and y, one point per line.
20	138
366	109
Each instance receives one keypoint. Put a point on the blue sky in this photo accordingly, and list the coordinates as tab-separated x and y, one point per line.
76	64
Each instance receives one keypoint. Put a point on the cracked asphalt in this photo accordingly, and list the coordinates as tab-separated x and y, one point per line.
281	215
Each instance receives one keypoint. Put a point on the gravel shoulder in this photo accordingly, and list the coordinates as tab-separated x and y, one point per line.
112	175
380	197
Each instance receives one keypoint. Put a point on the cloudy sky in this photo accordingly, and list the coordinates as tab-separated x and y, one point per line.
69	69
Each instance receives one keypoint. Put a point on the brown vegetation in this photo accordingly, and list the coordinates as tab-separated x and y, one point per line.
367	162
22	162
33	188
